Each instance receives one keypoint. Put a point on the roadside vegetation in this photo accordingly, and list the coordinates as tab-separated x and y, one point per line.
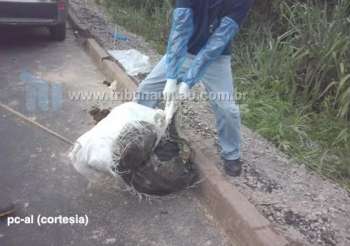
292	58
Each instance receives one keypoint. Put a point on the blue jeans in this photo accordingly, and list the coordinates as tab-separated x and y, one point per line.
218	82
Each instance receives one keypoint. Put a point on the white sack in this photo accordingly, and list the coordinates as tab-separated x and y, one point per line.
92	154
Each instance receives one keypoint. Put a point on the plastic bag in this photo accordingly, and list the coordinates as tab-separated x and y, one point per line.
131	143
92	154
132	60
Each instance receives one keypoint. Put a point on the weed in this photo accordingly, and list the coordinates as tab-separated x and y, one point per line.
293	60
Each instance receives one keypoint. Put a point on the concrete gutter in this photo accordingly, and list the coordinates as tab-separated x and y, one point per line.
112	70
239	218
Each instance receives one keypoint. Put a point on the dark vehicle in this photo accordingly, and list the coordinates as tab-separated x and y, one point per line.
50	13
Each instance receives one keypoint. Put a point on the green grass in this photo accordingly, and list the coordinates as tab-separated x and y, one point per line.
297	74
143	18
293	60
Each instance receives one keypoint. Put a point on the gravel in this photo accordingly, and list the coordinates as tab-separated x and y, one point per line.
306	208
100	26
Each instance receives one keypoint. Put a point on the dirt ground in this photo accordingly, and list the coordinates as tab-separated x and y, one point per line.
305	207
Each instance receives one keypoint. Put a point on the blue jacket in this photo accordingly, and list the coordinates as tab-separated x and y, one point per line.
204	28
207	15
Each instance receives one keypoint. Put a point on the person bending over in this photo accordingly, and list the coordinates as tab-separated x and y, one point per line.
199	49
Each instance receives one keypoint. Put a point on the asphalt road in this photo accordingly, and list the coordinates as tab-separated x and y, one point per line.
34	169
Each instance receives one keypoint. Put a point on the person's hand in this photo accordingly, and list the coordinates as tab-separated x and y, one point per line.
184	91
170	93
170	89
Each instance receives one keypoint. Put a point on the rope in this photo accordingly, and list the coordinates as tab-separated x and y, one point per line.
36	124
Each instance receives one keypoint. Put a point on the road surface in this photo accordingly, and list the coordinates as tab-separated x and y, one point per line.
35	170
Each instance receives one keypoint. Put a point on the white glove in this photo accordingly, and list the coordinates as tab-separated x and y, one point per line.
170	89
184	91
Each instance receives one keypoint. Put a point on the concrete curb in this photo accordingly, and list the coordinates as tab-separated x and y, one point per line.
239	218
112	70
74	20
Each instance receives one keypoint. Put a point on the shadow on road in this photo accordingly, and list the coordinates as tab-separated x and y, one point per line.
16	36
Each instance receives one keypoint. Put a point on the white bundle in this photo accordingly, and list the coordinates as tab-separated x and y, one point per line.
92	155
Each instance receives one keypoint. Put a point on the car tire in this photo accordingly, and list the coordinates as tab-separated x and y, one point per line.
58	32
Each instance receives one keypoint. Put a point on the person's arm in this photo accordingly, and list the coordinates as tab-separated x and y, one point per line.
181	32
180	35
222	36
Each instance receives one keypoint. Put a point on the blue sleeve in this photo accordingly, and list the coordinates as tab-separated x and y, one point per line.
181	32
212	50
